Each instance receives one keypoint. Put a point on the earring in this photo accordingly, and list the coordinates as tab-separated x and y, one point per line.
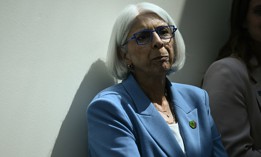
130	67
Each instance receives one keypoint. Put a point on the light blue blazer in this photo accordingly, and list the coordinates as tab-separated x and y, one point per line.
122	122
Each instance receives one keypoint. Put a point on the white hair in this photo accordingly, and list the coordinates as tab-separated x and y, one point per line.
121	29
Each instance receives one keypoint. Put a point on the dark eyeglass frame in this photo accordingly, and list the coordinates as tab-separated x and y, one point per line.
157	29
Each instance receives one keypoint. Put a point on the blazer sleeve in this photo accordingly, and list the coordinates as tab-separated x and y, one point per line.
109	130
227	86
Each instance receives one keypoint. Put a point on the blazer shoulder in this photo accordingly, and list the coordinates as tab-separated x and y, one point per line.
228	65
188	88
226	70
189	91
111	95
110	101
112	90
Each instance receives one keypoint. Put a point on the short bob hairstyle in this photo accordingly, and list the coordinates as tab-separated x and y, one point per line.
121	28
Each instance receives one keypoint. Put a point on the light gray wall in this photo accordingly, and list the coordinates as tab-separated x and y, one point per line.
52	64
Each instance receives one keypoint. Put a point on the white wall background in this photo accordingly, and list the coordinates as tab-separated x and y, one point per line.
52	63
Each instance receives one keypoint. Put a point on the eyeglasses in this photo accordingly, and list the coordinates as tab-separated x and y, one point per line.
145	36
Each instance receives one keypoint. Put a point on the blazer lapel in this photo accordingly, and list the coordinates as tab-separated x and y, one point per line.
152	120
188	123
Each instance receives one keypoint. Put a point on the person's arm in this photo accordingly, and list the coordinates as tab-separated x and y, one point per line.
226	85
109	131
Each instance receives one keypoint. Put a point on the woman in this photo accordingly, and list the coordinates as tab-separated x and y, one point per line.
234	82
147	115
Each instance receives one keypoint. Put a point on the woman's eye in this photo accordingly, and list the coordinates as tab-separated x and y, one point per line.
164	31
143	36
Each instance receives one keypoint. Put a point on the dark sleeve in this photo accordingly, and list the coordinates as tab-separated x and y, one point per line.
226	84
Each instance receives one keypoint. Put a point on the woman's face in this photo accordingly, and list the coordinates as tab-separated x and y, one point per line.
253	20
154	58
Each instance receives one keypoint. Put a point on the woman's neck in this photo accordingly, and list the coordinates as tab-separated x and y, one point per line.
153	87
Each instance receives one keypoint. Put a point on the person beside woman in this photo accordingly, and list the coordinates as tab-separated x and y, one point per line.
233	82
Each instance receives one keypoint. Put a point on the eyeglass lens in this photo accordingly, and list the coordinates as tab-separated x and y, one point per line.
145	36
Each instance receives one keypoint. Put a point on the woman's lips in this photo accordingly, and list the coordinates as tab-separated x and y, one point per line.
161	58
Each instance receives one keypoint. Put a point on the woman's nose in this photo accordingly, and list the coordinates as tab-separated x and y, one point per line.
156	41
